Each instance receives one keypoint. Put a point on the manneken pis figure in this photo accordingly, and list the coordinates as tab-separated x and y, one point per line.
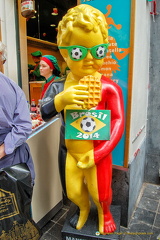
85	165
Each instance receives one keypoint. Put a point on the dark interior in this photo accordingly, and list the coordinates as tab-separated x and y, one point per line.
40	25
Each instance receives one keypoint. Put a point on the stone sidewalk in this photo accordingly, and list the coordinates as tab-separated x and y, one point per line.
144	224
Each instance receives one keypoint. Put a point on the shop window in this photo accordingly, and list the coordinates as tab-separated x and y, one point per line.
44	24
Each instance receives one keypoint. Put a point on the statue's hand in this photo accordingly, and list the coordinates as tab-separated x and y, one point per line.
87	161
73	95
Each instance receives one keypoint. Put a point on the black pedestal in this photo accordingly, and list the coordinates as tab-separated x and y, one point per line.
90	229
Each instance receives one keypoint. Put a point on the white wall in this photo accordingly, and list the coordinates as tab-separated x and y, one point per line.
8	33
140	77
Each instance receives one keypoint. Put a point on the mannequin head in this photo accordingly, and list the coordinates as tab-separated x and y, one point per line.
36	56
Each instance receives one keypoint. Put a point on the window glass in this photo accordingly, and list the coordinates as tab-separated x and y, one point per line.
44	24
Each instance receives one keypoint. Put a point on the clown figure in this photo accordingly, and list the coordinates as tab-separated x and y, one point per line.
85	165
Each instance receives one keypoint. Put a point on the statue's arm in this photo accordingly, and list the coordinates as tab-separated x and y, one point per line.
114	102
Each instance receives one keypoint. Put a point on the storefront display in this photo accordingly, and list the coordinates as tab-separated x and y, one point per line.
36	120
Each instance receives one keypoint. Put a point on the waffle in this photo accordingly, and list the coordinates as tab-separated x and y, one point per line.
94	88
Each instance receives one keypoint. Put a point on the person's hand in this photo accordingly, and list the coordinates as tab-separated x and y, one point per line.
87	160
2	151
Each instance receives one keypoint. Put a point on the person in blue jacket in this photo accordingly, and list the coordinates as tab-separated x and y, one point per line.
15	123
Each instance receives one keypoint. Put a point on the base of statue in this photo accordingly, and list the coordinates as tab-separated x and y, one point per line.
90	229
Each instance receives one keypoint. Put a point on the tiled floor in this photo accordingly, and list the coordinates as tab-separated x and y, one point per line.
144	224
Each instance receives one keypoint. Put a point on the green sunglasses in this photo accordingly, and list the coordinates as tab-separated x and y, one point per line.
78	53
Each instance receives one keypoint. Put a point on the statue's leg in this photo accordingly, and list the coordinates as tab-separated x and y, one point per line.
104	173
77	191
101	193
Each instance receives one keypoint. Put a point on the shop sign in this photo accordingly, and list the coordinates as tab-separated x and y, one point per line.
117	60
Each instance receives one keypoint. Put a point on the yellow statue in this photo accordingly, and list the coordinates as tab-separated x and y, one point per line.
85	165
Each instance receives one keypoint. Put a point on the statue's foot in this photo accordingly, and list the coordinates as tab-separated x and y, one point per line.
74	219
109	225
82	218
79	218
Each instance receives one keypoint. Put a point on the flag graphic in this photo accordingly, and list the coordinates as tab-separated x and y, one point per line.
88	124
